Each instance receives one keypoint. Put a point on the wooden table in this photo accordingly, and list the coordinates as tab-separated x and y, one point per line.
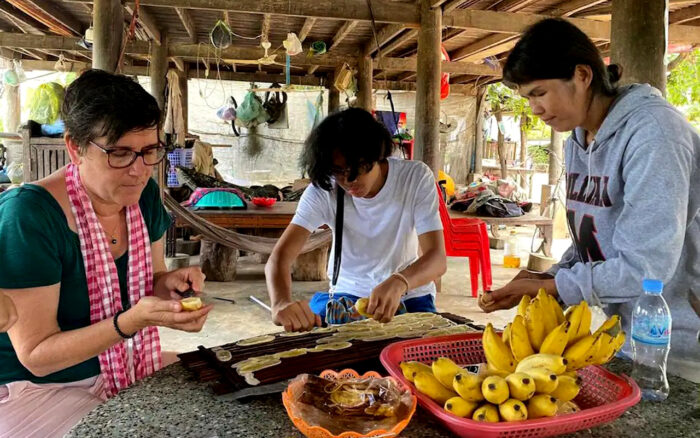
269	222
277	216
545	224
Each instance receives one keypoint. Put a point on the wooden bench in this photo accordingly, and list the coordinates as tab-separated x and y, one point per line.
545	224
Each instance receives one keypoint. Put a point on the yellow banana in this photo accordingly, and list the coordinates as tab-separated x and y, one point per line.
534	321
522	306
487	413
573	315
506	335
521	386
555	342
567	389
568	407
545	380
497	354
557	309
541	405
460	407
611	326
618	341
584	328
519	340
361	307
410	368
551	362
444	370
427	384
513	410
488	370
573	374
549	317
468	386
602	350
577	353
495	389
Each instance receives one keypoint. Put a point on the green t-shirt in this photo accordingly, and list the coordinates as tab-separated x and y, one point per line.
38	249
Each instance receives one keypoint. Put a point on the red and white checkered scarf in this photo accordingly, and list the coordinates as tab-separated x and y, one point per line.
103	285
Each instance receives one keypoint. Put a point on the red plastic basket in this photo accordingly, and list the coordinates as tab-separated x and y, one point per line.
604	396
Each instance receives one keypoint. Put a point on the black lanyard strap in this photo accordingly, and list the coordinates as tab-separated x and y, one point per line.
338	247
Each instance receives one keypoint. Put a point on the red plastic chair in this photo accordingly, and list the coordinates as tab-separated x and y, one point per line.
467	237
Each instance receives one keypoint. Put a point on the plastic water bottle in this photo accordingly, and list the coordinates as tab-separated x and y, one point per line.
651	341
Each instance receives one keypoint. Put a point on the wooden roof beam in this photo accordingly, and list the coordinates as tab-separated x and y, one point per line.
684	15
179	63
385	11
411	86
386	34
339	36
411	64
306	28
187	22
22	21
52	9
398	42
572	7
147	20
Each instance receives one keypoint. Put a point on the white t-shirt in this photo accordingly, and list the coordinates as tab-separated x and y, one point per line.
380	234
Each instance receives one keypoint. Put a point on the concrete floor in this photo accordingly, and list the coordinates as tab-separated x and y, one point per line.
229	322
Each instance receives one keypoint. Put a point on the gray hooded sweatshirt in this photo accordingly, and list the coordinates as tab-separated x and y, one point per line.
633	202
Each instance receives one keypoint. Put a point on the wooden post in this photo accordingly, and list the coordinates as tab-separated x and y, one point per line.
501	145
159	70
556	166
108	27
333	94
638	40
427	142
479	142
523	139
364	82
556	156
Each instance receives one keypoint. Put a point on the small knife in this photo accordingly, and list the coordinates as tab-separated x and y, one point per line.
255	391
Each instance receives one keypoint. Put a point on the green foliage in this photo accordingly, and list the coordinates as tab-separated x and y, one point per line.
683	87
539	153
508	101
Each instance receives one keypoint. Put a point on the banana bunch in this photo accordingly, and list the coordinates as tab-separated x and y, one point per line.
542	327
535	388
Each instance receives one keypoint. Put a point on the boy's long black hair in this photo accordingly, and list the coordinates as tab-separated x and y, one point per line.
355	134
551	49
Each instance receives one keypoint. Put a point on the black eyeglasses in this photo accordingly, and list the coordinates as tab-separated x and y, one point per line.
122	157
362	168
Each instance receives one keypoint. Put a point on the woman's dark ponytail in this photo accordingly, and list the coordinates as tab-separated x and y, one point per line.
551	49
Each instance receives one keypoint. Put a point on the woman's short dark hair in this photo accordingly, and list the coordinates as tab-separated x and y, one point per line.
355	134
551	49
100	104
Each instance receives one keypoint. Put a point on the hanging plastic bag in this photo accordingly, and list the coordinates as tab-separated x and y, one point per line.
227	111
221	36
45	103
15	172
292	44
251	112
276	107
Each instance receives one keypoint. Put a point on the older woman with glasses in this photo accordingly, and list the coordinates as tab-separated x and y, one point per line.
83	262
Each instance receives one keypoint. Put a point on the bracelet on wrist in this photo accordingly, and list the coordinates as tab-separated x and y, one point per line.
118	330
404	280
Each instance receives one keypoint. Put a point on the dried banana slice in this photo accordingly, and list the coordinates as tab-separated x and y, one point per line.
256	340
318	330
262	364
293	334
290	353
224	355
333	346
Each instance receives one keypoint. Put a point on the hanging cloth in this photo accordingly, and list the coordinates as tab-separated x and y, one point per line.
174	115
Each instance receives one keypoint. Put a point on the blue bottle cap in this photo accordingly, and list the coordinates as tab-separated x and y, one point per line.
653	286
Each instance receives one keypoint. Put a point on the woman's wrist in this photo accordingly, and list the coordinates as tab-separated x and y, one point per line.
129	322
403	284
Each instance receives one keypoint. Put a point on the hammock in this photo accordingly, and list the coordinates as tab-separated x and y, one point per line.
244	242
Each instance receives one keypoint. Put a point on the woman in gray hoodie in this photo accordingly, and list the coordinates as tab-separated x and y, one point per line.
631	162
